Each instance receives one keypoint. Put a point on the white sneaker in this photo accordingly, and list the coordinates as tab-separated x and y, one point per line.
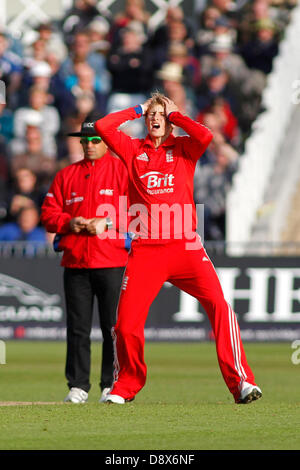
115	399
249	393
76	395
105	392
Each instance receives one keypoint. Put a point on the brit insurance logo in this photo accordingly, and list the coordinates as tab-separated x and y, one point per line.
158	183
22	302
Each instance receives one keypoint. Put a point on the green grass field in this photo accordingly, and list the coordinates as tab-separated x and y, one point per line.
185	404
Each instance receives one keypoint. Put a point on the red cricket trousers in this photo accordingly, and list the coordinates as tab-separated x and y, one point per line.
149	266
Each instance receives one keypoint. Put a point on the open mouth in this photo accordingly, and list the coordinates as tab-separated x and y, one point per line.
155	126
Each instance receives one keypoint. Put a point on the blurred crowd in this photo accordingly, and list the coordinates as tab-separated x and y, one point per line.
213	65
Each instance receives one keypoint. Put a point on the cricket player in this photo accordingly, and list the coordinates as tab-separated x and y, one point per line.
93	266
161	171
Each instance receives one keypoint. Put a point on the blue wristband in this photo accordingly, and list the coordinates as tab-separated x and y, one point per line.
138	109
56	241
128	239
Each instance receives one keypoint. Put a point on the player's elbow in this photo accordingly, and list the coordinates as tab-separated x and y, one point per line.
101	127
208	138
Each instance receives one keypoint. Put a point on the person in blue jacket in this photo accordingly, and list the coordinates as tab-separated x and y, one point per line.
26	227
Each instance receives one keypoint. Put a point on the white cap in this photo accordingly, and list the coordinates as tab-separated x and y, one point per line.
41	69
222	42
99	24
33	118
171	71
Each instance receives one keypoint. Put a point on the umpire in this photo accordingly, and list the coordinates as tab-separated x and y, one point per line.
93	264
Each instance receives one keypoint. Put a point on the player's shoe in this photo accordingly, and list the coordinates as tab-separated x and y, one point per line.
76	395
117	399
105	392
249	393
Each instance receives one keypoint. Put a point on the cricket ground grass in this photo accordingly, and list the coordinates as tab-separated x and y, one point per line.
185	404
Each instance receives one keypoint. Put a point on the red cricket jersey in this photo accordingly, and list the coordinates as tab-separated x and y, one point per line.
88	189
160	179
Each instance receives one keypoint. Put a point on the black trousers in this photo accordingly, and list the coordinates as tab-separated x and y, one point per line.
81	287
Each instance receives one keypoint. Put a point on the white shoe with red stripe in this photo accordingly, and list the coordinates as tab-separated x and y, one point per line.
249	393
115	399
111	398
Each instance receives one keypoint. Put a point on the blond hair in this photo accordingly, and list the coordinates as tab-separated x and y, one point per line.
156	98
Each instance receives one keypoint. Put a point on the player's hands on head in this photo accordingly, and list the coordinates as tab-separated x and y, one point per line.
145	106
170	106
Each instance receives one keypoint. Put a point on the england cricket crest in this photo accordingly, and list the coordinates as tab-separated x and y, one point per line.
169	156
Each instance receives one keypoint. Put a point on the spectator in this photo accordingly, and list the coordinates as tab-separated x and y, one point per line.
41	74
245	86
77	18
44	75
34	159
217	85
26	228
206	31
98	31
45	116
179	53
261	50
176	29
131	69
212	122
222	55
37	74
3	180
134	11
73	152
225	27
6	124
35	53
15	43
225	7
25	192
84	82
256	11
5	134
211	183
227	122
48	39
80	52
10	70
53	40
172	85
84	104
47	76
130	64
3	205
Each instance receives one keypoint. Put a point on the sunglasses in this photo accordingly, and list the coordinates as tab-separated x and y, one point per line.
94	140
